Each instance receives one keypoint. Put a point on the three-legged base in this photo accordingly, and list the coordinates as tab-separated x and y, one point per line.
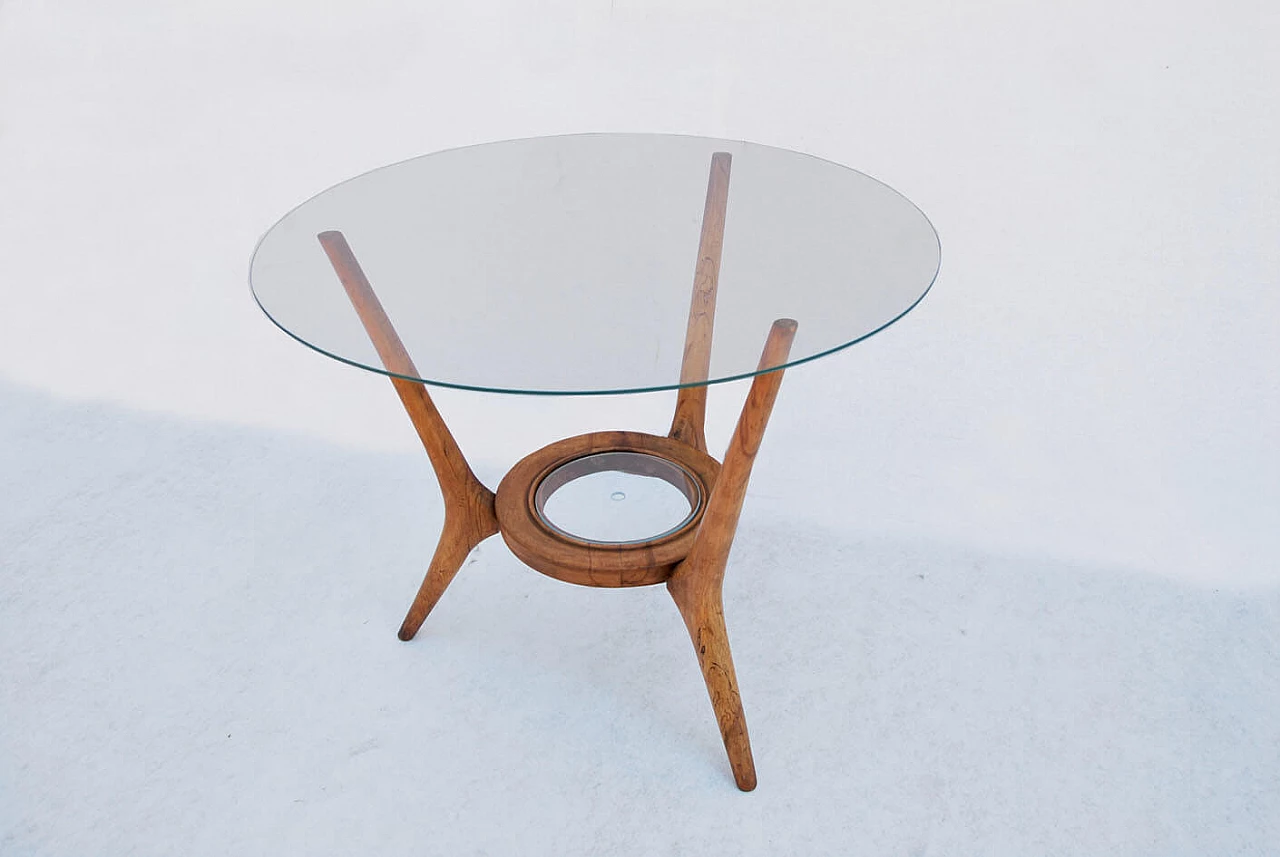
690	559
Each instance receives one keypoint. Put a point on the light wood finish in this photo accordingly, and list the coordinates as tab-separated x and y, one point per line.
592	563
691	560
469	516
691	402
697	582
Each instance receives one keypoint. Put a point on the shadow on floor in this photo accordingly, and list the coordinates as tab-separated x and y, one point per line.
199	657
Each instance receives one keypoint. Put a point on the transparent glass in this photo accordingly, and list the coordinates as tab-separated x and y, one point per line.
565	265
617	498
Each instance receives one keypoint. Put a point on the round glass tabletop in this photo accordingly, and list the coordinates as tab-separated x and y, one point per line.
583	264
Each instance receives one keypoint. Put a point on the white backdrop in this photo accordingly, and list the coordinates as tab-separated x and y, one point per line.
1074	436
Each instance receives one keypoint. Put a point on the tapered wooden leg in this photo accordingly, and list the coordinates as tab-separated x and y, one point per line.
703	614
456	543
691	401
697	582
469	516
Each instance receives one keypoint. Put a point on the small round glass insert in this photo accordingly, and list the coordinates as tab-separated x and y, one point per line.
617	498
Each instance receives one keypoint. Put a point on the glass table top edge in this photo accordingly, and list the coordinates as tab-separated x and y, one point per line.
602	391
711	382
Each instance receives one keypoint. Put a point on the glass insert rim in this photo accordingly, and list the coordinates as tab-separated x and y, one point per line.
641	464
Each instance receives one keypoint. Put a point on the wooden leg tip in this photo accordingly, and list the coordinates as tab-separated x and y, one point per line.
407	632
744	772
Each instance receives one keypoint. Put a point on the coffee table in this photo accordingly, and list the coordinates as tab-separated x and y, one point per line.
559	266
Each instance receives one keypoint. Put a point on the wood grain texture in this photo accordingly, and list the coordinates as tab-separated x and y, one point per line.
691	560
469	516
697	582
691	402
593	563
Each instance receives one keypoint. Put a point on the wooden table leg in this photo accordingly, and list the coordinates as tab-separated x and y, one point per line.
691	402
697	582
469	516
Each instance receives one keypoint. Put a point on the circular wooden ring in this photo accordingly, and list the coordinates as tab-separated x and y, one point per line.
573	560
